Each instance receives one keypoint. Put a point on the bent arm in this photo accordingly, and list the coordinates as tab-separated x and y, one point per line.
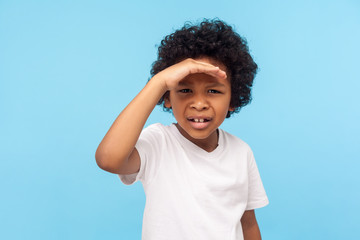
119	142
250	226
116	152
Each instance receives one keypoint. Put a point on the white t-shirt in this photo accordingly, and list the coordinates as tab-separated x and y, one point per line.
192	193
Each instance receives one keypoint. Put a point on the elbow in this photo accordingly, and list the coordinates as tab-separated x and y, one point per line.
106	162
100	159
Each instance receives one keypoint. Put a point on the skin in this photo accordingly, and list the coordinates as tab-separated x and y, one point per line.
250	226
198	88
201	96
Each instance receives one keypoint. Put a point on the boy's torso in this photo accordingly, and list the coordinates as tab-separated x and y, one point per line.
191	191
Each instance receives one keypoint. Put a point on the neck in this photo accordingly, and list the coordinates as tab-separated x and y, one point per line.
209	144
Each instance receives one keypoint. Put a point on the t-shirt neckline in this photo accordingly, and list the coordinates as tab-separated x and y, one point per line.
196	149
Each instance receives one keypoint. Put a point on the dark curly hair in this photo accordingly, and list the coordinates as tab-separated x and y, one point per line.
217	40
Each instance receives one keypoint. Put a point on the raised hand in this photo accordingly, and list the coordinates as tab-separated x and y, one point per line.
116	152
171	76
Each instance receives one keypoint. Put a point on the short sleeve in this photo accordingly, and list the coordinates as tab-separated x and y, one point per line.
257	197
149	146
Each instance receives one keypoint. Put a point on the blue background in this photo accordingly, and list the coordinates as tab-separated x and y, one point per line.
67	69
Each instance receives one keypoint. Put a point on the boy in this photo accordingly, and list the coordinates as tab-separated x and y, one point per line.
200	182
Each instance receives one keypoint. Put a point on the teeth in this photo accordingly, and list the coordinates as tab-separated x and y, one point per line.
199	120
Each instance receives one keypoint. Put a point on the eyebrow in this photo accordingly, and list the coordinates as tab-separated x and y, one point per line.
216	84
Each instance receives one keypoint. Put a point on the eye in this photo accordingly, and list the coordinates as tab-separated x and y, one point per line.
186	90
214	91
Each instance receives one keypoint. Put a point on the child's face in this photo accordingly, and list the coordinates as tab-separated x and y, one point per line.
200	104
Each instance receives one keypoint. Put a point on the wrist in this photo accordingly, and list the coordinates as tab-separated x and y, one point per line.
159	83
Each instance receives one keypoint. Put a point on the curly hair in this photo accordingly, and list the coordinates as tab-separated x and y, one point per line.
217	40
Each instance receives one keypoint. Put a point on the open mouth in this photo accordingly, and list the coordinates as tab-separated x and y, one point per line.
200	120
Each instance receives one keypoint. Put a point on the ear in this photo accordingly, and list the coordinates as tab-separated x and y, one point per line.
167	102
231	109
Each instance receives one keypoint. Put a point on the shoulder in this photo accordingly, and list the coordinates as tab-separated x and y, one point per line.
235	142
156	127
152	138
155	130
232	139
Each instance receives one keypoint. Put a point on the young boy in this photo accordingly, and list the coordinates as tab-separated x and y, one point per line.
200	182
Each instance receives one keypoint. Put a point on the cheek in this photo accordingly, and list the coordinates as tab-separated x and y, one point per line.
223	104
223	111
177	107
178	101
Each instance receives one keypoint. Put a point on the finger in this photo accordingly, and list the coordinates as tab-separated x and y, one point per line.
218	73
209	69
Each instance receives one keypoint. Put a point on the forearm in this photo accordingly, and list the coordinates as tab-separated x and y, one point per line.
122	136
252	233
250	226
119	142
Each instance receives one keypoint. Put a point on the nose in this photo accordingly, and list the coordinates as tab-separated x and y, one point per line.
199	102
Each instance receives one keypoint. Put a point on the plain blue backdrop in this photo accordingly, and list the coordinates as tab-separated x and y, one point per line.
67	69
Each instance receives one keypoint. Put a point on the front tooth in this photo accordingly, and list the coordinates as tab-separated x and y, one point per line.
201	120
196	120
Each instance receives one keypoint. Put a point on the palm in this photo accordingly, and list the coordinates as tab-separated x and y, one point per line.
175	73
